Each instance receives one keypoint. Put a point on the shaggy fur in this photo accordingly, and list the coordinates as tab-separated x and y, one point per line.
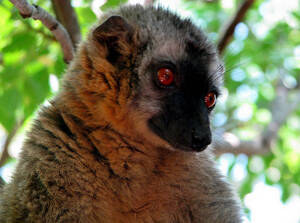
91	155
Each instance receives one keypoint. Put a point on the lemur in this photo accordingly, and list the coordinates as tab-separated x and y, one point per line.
125	138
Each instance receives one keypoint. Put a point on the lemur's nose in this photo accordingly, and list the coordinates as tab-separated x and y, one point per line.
201	138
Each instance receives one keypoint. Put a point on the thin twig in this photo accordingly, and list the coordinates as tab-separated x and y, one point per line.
66	15
229	143
5	155
227	34
27	10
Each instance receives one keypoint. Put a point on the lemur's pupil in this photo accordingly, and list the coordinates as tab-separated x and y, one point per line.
165	76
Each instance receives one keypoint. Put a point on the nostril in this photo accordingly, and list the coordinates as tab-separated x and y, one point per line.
200	141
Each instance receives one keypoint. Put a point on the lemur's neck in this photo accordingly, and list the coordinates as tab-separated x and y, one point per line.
122	156
132	159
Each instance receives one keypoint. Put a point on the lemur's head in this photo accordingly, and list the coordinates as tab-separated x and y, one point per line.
156	75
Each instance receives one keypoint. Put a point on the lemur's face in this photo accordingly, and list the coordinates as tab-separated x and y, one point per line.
165	82
179	86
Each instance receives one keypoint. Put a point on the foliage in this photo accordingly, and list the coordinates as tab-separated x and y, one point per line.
28	58
112	4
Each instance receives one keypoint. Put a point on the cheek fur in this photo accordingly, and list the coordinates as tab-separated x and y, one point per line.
148	99
149	103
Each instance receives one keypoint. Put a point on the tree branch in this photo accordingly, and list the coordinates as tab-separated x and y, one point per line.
5	155
227	33
27	10
68	18
229	143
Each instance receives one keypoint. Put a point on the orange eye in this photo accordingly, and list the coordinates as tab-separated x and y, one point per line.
210	99
165	76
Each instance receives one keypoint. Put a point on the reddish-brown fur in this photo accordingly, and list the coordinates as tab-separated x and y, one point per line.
90	157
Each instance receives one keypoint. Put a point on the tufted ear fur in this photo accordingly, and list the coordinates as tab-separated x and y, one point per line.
116	35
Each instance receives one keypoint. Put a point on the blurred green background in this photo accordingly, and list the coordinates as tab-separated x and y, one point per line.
263	69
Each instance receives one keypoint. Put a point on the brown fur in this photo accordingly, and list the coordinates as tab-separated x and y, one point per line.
90	157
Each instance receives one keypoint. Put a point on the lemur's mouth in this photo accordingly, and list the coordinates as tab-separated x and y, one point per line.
195	146
190	148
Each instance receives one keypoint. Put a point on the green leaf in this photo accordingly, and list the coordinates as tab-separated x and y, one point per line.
110	4
59	67
10	102
86	18
21	41
9	76
86	14
36	89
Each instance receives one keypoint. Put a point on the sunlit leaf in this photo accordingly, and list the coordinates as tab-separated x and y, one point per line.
112	4
36	89
21	41
10	101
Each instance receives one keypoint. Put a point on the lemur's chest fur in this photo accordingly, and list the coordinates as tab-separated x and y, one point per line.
127	184
165	192
107	178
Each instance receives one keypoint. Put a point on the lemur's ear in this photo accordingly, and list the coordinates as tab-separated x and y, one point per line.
116	35
112	26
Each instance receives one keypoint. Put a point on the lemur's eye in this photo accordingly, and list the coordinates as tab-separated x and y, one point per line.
165	76
210	99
